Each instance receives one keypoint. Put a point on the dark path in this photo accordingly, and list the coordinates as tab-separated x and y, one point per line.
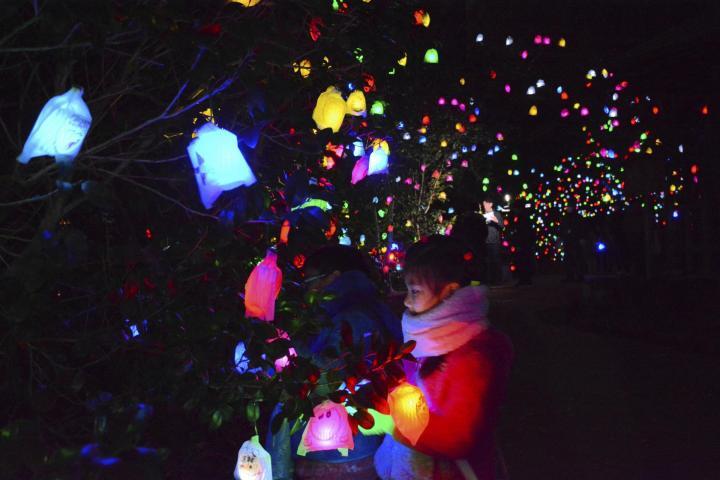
588	401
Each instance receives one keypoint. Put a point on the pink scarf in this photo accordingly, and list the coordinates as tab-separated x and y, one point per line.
449	325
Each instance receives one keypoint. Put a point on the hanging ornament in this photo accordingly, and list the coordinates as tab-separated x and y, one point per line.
409	411
421	17
403	61
431	56
533	111
218	163
330	110
562	43
314	29
59	129
328	429
246	3
378	162
253	461
479	38
356	104
508	41
262	288
303	67
360	170
377	108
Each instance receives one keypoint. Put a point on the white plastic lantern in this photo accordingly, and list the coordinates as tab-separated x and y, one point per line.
328	429
253	462
59	129
218	163
378	162
409	411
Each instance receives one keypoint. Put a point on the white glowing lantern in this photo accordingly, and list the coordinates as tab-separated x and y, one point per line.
479	38
509	41
531	90
253	462
59	129
378	162
218	163
328	429
409	411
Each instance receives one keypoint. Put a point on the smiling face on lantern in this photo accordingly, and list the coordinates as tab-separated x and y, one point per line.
328	429
253	462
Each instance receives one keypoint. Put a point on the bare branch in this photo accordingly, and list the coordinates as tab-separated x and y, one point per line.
34	198
18	29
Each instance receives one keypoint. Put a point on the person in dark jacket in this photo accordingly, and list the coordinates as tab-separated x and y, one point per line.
342	272
494	221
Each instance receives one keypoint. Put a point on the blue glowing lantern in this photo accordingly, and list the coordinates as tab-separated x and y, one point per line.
218	163
241	361
600	246
378	162
60	128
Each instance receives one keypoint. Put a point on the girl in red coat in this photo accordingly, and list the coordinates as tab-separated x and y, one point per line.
462	369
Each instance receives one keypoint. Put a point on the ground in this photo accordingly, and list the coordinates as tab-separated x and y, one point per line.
629	393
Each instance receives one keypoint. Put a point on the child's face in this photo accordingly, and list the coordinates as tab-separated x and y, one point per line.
420	298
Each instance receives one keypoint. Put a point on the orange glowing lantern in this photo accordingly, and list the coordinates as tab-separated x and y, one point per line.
262	288
246	3
285	232
328	429
409	411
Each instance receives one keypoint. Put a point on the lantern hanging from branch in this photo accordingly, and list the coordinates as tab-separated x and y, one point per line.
303	67
59	129
246	3
360	170
262	288
328	429
378	162
218	163
409	410
253	462
356	103
330	110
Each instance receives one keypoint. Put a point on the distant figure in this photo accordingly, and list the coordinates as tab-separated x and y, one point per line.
462	368
494	221
472	230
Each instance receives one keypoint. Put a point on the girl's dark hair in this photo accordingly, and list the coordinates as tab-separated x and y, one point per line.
438	260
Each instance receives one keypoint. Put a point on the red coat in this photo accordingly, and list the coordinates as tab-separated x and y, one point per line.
464	390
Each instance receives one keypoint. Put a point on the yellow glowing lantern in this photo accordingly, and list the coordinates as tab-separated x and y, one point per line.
246	3
330	110
443	143
303	67
356	103
403	61
409	411
562	43
533	111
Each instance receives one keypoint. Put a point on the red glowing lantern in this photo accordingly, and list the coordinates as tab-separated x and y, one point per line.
315	24
262	288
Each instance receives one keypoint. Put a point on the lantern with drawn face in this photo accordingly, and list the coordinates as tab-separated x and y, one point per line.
409	411
328	429
253	462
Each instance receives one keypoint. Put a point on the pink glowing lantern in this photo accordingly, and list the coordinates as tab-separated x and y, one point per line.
360	170
441	101
537	39
409	411
464	164
546	41
507	88
328	429
564	113
262	288
584	112
524	54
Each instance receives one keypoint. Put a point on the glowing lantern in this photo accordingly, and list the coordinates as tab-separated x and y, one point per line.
431	56
330	110
378	161
246	3
59	129
421	17
562	43
314	30
531	90
360	170
356	103
262	288
694	169
508	41
409	411
328	429
253	461
479	38
377	108
403	61
538	39
705	110
284	232
584	112
218	163
533	111
303	67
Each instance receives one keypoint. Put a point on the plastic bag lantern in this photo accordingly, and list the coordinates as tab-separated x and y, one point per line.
378	162
262	288
219	165
253	462
246	3
356	104
330	110
360	170
409	411
328	429
59	129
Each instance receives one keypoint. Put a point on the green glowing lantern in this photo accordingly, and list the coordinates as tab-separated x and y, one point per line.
377	108
431	56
